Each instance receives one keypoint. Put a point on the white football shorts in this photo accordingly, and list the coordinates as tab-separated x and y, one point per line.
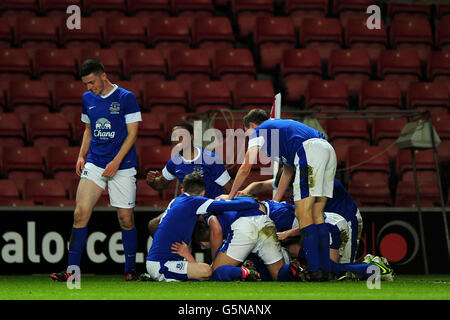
121	188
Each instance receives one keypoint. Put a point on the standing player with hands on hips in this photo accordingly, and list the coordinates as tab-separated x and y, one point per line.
107	158
306	155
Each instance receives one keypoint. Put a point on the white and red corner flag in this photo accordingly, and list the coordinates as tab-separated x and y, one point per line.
275	113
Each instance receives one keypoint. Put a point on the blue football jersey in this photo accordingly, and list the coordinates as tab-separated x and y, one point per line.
213	172
280	139
341	203
178	221
108	117
282	214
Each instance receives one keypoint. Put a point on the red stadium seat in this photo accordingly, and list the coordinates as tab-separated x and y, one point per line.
370	192
235	64
424	161
327	94
212	32
272	35
15	64
133	87
253	94
432	96
402	66
385	132
443	33
169	119
48	129
55	64
90	35
151	127
324	34
8	190
109	58
67	96
105	7
128	32
428	191
154	157
6	35
165	96
210	95
22	8
439	66
23	159
443	10
380	95
40	190
412	33
192	9
246	11
351	66
368	159
189	64
145	195
297	10
31	32
401	10
144	64
168	32
357	35
346	9
12	131
440	123
28	97
77	126
149	8
57	7
61	159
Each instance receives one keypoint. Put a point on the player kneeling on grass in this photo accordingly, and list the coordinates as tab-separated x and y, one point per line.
248	232
177	225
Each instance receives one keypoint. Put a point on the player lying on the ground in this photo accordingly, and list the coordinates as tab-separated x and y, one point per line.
341	205
246	232
177	225
189	159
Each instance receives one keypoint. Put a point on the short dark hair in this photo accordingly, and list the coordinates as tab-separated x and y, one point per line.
92	66
193	183
256	116
184	124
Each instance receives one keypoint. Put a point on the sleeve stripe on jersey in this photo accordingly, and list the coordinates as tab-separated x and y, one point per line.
166	174
133	117
85	118
256	142
204	207
223	179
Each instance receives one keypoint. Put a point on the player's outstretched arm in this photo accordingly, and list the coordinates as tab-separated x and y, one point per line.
288	233
257	187
157	181
251	157
285	180
215	235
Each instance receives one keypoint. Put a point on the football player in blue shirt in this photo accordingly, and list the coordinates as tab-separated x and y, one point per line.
308	157
190	159
177	225
107	157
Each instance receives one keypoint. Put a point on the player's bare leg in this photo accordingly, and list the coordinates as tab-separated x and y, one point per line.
199	271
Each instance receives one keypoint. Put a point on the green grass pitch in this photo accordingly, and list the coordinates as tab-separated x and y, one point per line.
102	287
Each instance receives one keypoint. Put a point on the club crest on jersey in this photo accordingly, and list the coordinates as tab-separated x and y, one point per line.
114	108
199	170
103	129
180	265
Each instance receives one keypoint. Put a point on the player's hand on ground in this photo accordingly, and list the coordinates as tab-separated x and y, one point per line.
111	169
181	249
151	176
79	166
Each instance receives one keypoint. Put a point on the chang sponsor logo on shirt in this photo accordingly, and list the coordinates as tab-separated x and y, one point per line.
103	129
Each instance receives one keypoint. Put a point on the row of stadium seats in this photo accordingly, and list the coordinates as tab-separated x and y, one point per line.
180	7
224	64
28	97
211	32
